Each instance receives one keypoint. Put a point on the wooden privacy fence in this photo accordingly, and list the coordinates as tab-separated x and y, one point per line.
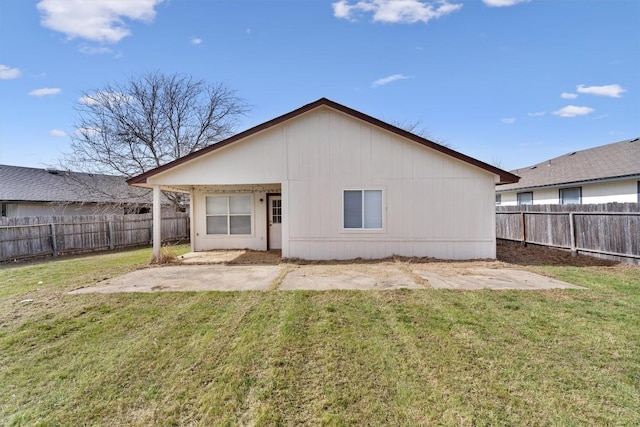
610	229
64	235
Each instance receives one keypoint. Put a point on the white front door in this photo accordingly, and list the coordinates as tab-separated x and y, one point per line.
275	222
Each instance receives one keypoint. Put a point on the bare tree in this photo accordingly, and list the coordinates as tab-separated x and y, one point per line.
130	128
417	128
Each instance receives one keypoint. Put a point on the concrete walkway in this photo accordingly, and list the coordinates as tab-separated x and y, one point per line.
220	276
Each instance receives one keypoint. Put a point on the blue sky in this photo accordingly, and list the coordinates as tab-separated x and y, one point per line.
506	81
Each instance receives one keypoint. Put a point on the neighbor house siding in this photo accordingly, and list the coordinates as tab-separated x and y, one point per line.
622	191
608	192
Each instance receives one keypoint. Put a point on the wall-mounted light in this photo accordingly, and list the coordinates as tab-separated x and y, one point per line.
261	200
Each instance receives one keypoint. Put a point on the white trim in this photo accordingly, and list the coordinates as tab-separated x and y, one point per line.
157	221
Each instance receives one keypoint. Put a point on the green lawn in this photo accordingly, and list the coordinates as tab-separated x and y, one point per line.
424	357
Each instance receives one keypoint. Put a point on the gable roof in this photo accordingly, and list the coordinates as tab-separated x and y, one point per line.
505	177
22	184
606	162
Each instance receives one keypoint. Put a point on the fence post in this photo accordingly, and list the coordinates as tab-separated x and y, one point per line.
572	234
524	229
110	232
54	240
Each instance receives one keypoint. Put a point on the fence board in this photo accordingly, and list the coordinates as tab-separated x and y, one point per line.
608	229
41	236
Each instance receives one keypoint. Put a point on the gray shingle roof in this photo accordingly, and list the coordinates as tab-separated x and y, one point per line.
45	185
611	161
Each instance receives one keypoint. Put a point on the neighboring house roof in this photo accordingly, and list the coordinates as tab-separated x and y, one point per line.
22	184
606	162
505	177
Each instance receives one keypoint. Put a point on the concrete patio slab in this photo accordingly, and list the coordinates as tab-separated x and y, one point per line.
190	278
348	277
250	270
489	278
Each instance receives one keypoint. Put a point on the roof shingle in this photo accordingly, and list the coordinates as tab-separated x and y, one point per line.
46	185
611	161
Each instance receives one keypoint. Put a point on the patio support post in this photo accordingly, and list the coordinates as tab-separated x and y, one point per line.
157	222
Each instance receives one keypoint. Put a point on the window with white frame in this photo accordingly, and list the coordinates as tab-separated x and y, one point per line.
362	209
228	215
525	198
571	196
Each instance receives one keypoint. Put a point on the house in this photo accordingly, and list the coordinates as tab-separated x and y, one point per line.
328	182
47	192
604	174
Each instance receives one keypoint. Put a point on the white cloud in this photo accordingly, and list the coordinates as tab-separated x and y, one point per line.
613	91
103	98
87	100
196	41
87	132
8	73
573	111
96	20
395	11
508	120
537	114
503	3
95	50
566	95
58	133
386	80
45	91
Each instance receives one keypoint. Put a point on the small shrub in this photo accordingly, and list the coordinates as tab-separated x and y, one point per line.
167	256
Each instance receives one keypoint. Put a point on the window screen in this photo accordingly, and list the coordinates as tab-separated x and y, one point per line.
525	198
362	209
571	196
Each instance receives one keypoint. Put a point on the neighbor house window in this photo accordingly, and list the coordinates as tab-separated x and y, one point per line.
362	209
228	215
498	199
571	196
525	198
8	209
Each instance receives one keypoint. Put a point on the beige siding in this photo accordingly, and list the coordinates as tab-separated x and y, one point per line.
434	205
256	160
257	240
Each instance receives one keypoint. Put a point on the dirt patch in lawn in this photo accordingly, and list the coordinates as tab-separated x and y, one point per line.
232	257
508	252
514	253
